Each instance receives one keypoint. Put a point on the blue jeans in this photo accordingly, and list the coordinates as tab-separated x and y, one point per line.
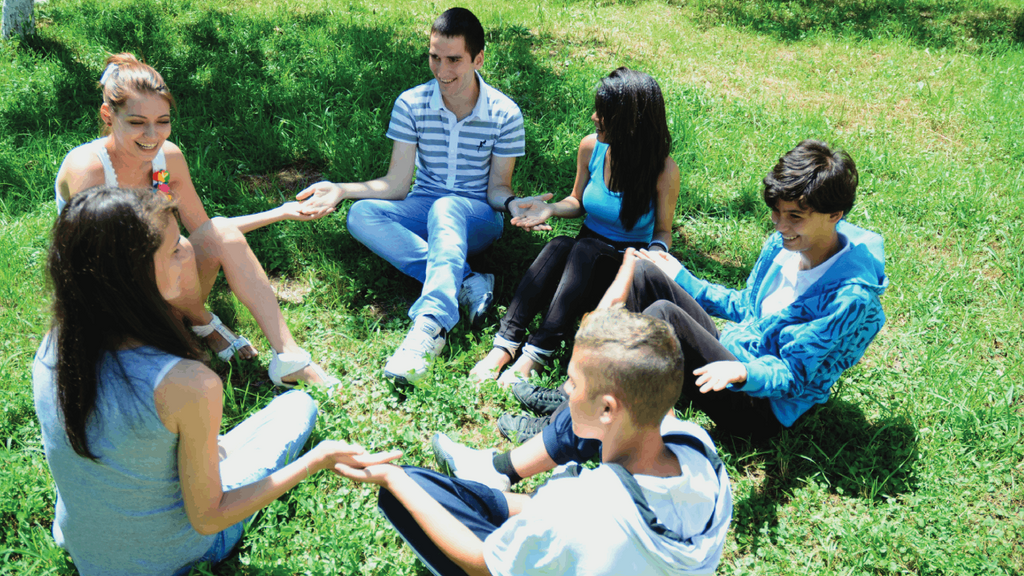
428	236
563	445
261	445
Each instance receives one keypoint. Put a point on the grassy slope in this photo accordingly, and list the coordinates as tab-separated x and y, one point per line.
914	466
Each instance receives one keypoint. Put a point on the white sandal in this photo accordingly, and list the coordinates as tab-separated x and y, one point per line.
235	342
282	365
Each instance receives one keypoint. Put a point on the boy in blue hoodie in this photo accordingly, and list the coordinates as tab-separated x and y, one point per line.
810	308
659	503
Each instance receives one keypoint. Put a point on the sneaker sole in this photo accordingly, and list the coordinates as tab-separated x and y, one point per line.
408	379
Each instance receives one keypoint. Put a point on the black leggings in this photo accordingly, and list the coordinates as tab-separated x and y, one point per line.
569	273
736	413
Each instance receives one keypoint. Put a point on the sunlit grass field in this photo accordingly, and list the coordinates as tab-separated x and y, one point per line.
916	464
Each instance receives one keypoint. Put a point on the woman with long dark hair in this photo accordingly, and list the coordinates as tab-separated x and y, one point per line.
134	152
626	186
130	417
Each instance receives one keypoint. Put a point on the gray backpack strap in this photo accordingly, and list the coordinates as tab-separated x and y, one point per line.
637	494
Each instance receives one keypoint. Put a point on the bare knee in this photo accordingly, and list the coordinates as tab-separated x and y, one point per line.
216	235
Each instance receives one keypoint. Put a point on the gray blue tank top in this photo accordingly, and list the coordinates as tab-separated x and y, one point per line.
123	513
110	177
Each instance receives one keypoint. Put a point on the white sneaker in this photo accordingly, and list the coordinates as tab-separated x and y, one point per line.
476	295
409	363
463	462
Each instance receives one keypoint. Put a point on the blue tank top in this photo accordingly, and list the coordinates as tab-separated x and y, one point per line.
603	205
122	513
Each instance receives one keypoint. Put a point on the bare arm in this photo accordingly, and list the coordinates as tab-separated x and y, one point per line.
451	536
79	171
516	502
618	292
189	404
499	182
286	211
193	214
668	195
533	215
321	198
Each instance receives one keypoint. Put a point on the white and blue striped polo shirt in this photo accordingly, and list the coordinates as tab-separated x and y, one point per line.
455	156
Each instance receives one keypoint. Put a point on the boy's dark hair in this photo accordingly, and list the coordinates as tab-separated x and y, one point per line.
640	362
456	22
814	176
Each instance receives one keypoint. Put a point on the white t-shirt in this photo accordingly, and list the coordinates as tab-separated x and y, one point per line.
791	282
591	525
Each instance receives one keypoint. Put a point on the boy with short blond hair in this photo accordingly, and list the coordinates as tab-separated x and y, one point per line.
660	502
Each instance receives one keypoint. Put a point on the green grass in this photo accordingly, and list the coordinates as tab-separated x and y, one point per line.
916	464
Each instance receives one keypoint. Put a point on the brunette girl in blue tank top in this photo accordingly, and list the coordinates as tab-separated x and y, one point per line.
130	416
626	186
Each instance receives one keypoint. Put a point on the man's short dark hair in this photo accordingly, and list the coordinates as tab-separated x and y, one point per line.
456	22
814	176
639	362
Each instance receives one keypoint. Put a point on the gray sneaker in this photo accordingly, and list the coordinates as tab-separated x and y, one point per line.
519	429
538	399
463	462
476	296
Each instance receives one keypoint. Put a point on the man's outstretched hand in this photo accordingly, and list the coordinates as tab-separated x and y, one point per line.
319	200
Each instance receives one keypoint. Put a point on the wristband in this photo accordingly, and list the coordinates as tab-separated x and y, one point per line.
664	247
509	201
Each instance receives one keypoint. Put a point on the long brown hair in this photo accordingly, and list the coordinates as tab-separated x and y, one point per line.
631	108
105	293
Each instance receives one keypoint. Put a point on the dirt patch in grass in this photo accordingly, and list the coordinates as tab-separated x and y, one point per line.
289	290
292	179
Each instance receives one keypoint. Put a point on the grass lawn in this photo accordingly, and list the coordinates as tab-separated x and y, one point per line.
914	466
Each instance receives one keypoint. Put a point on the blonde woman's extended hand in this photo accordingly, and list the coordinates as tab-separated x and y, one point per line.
294	211
320	199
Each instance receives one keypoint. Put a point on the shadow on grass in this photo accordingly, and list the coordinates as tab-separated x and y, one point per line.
834	446
932	23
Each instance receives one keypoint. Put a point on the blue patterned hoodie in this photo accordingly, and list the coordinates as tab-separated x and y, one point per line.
794	356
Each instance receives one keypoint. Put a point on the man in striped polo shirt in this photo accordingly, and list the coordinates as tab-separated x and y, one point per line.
464	137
